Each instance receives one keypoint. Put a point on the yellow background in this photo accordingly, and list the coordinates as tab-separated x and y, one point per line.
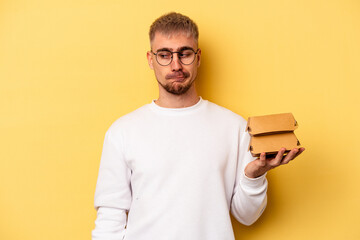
68	69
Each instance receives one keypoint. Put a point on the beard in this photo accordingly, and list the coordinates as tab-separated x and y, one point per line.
177	88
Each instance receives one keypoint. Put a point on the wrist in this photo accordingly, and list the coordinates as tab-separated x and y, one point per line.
253	173
250	175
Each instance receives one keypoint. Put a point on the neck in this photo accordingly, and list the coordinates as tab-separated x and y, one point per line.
169	100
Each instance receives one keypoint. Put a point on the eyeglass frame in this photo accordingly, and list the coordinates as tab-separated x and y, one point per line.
172	55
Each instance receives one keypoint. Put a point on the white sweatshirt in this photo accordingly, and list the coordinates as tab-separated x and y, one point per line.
177	172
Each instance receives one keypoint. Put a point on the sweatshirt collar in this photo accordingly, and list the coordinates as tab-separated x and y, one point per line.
175	111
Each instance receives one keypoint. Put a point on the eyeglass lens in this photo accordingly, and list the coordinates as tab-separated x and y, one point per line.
186	57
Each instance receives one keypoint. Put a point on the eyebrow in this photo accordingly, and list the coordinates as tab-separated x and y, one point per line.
178	50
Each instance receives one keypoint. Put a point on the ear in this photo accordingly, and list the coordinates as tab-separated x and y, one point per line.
198	55
150	59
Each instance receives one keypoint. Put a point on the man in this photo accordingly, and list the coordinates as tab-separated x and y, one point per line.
174	168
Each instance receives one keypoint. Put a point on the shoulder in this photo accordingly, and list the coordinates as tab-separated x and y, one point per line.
129	120
225	114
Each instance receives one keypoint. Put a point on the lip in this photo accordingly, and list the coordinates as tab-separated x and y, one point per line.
179	79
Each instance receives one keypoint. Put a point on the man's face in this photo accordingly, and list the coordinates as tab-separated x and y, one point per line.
176	78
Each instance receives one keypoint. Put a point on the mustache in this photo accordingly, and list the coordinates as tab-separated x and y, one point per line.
177	75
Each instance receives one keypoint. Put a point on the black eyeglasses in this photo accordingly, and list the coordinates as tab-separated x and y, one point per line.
165	57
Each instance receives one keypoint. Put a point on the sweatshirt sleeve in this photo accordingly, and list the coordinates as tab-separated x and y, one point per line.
249	196
113	191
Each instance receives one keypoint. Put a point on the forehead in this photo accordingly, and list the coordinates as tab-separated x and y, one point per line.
173	41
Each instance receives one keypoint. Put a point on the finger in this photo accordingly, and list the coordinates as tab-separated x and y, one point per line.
262	159
290	156
279	157
300	151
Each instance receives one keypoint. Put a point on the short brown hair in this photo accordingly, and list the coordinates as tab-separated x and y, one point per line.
174	22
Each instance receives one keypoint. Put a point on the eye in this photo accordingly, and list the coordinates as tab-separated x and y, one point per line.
164	55
186	54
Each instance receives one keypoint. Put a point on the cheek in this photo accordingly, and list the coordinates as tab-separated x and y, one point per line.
159	73
193	71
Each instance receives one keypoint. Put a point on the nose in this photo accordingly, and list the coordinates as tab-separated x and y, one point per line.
175	63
